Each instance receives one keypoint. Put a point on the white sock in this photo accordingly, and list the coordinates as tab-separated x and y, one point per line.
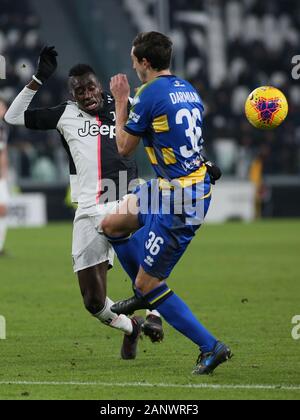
120	322
3	230
154	312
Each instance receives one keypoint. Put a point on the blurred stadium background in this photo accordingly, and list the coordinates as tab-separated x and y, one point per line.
225	48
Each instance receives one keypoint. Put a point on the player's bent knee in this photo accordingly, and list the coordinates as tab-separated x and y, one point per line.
107	226
110	227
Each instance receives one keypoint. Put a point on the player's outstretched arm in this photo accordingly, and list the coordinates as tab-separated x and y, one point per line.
47	64
120	90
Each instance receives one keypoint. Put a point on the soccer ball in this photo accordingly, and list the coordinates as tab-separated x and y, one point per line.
266	108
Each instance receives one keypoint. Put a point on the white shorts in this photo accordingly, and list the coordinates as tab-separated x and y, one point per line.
90	247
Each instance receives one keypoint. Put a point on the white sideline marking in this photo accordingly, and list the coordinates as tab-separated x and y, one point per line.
159	385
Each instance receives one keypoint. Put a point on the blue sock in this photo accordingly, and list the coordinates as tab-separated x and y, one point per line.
179	315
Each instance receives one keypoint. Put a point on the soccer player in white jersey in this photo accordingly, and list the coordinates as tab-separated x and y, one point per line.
3	177
87	129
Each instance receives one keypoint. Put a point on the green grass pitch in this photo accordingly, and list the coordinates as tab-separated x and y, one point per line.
242	281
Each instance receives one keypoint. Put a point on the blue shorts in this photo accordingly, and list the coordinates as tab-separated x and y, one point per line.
167	234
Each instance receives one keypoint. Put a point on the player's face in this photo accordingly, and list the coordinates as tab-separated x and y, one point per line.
87	92
139	67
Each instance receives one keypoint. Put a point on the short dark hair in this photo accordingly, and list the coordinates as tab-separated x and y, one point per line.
81	70
155	47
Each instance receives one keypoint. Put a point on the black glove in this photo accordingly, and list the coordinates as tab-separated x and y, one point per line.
47	64
214	171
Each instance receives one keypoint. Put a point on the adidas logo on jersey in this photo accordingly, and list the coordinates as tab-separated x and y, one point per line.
94	130
109	99
80	115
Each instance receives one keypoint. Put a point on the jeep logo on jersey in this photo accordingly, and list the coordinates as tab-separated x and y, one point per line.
94	130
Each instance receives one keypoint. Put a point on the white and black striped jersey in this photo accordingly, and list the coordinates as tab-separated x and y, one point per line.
3	135
90	142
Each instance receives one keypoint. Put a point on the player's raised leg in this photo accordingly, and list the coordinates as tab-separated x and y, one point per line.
118	228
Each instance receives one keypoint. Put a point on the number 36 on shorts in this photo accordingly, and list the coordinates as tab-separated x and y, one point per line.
154	243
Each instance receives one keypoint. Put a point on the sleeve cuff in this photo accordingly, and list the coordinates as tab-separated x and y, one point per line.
38	81
134	133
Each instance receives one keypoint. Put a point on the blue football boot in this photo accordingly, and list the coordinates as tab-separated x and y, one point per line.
208	362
